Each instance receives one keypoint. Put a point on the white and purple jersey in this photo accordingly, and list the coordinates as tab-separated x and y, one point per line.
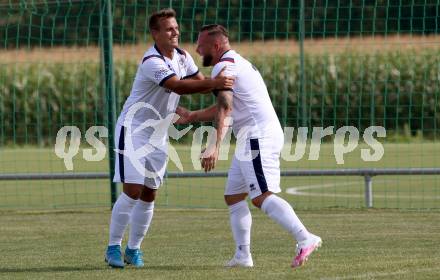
142	127
152	73
252	108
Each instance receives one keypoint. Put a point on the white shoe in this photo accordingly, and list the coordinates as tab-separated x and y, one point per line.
305	248
240	262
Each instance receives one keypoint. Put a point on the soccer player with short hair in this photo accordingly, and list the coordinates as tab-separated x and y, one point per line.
165	72
257	129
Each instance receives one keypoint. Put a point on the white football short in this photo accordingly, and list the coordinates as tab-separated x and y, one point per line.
144	167
258	171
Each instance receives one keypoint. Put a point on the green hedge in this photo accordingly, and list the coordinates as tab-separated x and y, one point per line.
395	89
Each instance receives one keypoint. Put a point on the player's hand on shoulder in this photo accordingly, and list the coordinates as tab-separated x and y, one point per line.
222	81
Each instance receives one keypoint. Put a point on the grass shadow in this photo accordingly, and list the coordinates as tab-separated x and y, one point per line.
52	269
106	267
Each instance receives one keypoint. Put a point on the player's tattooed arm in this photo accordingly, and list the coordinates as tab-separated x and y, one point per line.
224	109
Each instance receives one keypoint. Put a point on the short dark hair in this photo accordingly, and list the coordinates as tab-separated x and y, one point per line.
156	16
215	29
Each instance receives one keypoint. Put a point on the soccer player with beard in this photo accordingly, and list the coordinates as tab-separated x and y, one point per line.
257	129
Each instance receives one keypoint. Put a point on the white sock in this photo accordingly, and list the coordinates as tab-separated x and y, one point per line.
140	221
280	211
120	217
241	222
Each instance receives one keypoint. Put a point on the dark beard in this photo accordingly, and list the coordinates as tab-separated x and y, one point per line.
207	59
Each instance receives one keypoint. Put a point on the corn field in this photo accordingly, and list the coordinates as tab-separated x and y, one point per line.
394	89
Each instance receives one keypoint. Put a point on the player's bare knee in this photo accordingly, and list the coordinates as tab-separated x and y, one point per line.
148	194
132	190
258	201
235	198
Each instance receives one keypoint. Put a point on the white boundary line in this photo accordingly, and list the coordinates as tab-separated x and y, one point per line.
299	190
303	191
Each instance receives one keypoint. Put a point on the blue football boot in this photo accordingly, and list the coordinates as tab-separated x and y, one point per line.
133	257
113	256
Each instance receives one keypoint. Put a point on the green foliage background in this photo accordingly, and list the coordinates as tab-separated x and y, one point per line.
397	90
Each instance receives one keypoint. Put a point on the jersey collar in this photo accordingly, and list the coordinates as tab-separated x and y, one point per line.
158	51
224	54
179	51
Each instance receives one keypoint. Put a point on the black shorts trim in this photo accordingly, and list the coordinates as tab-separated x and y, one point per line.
258	166
121	148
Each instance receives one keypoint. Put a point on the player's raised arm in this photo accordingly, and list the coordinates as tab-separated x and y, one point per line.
197	86
199	76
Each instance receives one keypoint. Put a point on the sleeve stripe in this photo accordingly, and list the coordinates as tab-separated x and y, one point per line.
166	78
192	75
150	56
228	59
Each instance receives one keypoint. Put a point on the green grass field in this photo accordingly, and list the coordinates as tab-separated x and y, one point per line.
39	242
194	244
413	191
